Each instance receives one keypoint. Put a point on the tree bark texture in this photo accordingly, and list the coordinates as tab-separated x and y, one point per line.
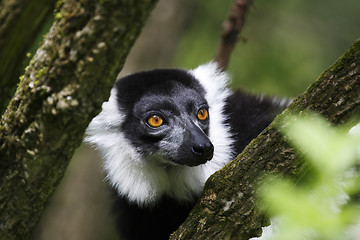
227	209
63	88
20	21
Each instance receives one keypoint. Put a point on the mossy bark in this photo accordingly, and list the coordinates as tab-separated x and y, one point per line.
63	88
227	209
20	22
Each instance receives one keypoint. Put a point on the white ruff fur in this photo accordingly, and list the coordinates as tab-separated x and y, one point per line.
145	180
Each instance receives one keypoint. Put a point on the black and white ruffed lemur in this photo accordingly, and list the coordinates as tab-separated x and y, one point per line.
162	133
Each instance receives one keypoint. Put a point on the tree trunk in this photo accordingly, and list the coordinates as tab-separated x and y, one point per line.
81	206
226	209
62	90
20	21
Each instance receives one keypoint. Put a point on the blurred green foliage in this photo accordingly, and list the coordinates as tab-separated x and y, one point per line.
288	43
319	208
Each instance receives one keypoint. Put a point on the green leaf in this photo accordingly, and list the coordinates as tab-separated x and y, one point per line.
317	209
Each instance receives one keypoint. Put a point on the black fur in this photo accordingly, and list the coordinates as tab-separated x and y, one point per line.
248	115
150	222
132	87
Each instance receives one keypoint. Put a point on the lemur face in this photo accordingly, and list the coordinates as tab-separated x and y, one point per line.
158	131
166	117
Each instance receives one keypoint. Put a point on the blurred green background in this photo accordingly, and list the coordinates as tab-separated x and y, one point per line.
287	45
288	42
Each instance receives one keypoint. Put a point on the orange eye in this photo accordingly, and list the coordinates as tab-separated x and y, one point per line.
155	121
202	114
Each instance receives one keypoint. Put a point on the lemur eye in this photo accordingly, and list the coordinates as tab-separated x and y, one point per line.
155	121
202	114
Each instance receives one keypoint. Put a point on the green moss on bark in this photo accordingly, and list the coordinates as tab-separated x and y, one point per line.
20	22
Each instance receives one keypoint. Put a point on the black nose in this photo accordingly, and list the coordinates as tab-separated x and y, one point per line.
204	149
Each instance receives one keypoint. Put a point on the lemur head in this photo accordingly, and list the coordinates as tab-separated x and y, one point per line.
166	115
159	129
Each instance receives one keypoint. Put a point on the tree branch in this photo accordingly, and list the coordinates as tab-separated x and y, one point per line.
227	209
65	84
232	27
20	21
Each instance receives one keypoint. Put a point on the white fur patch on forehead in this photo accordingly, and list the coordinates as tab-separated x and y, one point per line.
215	82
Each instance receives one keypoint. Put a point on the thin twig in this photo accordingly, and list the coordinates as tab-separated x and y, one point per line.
232	27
